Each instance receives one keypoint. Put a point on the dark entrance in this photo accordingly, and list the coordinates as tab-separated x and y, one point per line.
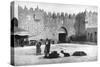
63	35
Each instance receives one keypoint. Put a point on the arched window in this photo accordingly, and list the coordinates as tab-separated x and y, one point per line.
95	33
91	36
14	23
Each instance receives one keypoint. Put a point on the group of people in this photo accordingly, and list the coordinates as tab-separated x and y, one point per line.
46	49
54	54
47	53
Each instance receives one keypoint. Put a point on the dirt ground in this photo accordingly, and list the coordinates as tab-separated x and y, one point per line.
27	55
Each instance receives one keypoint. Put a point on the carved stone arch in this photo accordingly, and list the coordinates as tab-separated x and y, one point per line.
65	30
62	35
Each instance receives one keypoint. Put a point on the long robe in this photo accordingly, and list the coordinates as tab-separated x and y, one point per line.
38	48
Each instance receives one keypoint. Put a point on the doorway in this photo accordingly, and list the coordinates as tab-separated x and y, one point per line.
62	35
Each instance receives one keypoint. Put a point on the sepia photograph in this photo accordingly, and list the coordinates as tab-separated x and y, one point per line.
50	33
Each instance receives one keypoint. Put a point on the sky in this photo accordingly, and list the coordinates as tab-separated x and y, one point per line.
53	7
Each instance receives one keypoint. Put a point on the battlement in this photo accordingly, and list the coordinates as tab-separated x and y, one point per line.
47	24
25	10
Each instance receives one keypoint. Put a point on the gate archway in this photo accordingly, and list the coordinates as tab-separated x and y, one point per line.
65	30
62	35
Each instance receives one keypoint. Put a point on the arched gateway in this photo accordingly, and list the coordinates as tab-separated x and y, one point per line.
62	35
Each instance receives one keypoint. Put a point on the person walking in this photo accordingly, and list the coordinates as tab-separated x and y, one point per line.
47	48
38	48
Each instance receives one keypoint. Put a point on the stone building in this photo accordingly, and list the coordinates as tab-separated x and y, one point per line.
80	24
92	34
32	21
91	26
42	25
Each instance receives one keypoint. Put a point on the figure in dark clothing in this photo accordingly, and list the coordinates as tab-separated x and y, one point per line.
47	47
65	54
38	48
53	54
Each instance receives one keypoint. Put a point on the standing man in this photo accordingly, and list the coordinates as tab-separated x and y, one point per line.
38	48
47	48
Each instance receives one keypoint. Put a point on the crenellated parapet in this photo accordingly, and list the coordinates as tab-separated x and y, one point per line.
42	23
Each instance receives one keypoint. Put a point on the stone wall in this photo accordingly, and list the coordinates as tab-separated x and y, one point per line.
42	25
